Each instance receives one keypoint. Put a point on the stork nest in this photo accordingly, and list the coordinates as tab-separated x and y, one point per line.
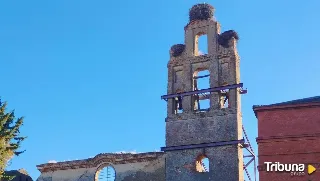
177	50
226	36
201	12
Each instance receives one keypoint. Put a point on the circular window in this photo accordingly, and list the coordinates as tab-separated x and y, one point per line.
107	173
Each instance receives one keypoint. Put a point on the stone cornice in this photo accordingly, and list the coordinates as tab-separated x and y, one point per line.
191	59
200	23
107	158
285	138
180	60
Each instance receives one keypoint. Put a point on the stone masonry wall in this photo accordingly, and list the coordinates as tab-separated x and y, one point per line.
203	129
222	166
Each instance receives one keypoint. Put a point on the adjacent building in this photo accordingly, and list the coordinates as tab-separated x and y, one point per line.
289	133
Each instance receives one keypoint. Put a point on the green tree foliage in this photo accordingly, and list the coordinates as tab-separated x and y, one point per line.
9	136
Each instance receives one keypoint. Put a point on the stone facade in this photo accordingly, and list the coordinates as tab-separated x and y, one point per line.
214	125
133	167
193	127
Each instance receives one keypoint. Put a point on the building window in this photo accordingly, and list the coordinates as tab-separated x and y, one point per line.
202	164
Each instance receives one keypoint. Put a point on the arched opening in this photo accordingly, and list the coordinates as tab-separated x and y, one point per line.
177	103
201	44
224	99
107	173
202	164
201	80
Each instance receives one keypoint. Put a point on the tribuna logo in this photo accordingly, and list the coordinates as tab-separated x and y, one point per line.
294	169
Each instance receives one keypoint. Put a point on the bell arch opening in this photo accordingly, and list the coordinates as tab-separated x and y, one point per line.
177	103
201	44
201	80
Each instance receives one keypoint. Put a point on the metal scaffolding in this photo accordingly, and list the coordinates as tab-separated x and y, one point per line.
251	155
203	91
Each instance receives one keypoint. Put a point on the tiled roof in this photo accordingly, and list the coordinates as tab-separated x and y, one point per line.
315	99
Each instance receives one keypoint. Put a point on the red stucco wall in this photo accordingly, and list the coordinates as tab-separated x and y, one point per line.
289	135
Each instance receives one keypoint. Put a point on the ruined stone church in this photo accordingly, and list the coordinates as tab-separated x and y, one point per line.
201	123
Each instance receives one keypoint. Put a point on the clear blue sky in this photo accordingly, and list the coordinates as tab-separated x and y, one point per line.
88	75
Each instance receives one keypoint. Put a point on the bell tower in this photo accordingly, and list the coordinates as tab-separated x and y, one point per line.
204	125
